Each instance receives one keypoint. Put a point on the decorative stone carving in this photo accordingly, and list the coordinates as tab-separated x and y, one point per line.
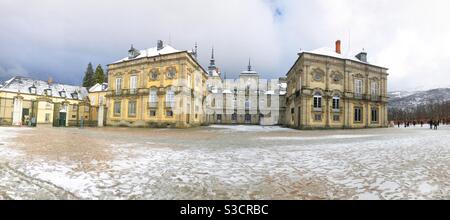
336	77
318	75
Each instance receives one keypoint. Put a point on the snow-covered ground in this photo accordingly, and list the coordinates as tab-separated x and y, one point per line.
224	162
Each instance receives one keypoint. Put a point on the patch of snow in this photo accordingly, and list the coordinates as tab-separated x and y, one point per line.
250	128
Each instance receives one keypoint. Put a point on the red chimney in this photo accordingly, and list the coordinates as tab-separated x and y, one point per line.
338	46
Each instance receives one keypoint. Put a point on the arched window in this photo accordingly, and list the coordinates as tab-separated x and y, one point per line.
317	100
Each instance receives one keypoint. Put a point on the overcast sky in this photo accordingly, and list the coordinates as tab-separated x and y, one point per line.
59	38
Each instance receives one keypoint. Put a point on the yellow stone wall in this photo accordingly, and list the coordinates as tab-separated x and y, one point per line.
185	68
337	78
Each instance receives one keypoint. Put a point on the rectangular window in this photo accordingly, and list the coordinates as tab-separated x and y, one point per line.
374	115
248	118
117	108
357	114
234	117
132	108
86	108
374	88
133	84
336	118
219	117
317	102
247	104
169	113
93	101
358	87
336	103
153	98
47	117
317	117
118	85
152	113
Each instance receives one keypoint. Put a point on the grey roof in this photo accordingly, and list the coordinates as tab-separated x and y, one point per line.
20	84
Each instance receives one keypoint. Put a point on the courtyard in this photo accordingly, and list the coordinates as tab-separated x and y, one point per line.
224	162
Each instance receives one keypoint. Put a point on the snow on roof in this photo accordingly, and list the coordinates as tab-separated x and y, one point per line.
249	72
99	87
151	52
20	84
330	52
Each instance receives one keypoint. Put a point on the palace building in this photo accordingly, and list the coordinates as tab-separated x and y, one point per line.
327	89
156	87
25	101
246	100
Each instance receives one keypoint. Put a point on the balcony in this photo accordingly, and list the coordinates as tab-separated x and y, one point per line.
375	98
132	91
358	96
170	104
153	104
336	110
317	109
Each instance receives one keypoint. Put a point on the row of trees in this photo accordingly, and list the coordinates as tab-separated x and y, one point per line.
91	78
433	110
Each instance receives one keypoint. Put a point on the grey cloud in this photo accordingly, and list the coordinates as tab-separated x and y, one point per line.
58	38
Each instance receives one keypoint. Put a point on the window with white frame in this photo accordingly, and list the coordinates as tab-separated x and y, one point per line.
170	98
117	107
358	87
118	85
132	108
374	89
317	100
133	84
336	102
374	114
153	95
357	114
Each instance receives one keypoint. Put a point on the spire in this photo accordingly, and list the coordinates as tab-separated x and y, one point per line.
212	63
249	65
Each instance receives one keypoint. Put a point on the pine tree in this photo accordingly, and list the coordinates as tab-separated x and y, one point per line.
99	75
88	80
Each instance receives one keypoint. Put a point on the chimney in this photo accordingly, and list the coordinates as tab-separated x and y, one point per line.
160	45
338	46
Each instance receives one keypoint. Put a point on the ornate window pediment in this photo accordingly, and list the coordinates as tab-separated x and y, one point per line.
318	75
171	72
337	77
153	75
118	74
358	75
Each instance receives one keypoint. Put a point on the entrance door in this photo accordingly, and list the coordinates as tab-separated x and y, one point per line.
25	116
62	119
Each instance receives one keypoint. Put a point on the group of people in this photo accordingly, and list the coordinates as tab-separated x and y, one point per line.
434	124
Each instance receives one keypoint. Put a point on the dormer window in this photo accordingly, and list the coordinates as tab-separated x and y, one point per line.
62	94
75	95
33	89
48	92
133	53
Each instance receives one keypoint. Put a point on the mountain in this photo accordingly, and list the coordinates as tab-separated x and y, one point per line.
407	99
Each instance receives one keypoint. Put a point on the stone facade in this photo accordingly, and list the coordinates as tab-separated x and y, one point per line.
247	100
329	90
24	100
157	87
